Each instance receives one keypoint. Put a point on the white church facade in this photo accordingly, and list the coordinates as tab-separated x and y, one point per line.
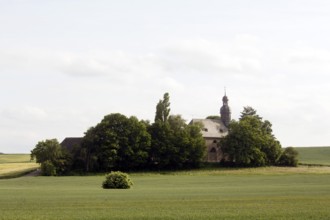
213	130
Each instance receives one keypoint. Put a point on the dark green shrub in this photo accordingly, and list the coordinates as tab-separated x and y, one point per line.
117	180
48	168
289	157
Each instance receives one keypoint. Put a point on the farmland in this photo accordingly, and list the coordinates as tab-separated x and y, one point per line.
314	155
266	193
13	165
212	193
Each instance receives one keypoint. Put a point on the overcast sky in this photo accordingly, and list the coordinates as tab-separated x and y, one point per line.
65	64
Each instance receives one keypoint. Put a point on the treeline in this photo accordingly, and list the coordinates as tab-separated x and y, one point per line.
127	144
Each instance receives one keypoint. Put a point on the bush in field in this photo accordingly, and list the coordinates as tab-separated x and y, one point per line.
48	168
289	157
117	180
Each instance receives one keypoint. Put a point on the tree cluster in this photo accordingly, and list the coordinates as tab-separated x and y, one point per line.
121	143
53	158
116	143
250	143
127	144
176	145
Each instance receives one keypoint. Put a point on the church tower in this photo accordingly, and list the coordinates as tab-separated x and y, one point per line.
225	111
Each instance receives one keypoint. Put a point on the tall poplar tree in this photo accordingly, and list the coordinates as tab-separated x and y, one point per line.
174	144
163	109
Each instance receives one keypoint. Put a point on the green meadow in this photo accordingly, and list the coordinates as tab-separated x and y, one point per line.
266	193
211	193
314	155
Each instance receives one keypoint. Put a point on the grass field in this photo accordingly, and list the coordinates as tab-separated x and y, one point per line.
13	165
314	155
251	193
267	193
14	158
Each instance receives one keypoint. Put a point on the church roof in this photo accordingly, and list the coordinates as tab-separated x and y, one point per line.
212	128
70	142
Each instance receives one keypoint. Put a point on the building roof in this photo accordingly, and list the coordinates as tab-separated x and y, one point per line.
70	142
212	128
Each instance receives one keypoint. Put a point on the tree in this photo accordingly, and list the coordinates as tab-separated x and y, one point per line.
174	144
213	117
289	157
46	150
53	158
249	111
48	168
163	109
250	141
117	142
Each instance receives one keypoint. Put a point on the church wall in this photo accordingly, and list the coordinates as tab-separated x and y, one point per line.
213	152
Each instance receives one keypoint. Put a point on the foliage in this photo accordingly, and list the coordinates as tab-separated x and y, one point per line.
289	157
213	117
48	168
46	150
117	180
163	109
121	143
174	144
249	111
117	142
250	141
53	158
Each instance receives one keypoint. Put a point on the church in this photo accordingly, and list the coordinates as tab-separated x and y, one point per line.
215	129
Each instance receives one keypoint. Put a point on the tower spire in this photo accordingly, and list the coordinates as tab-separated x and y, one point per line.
225	110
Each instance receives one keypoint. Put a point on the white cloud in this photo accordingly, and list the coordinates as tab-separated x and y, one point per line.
208	57
24	114
240	56
304	59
